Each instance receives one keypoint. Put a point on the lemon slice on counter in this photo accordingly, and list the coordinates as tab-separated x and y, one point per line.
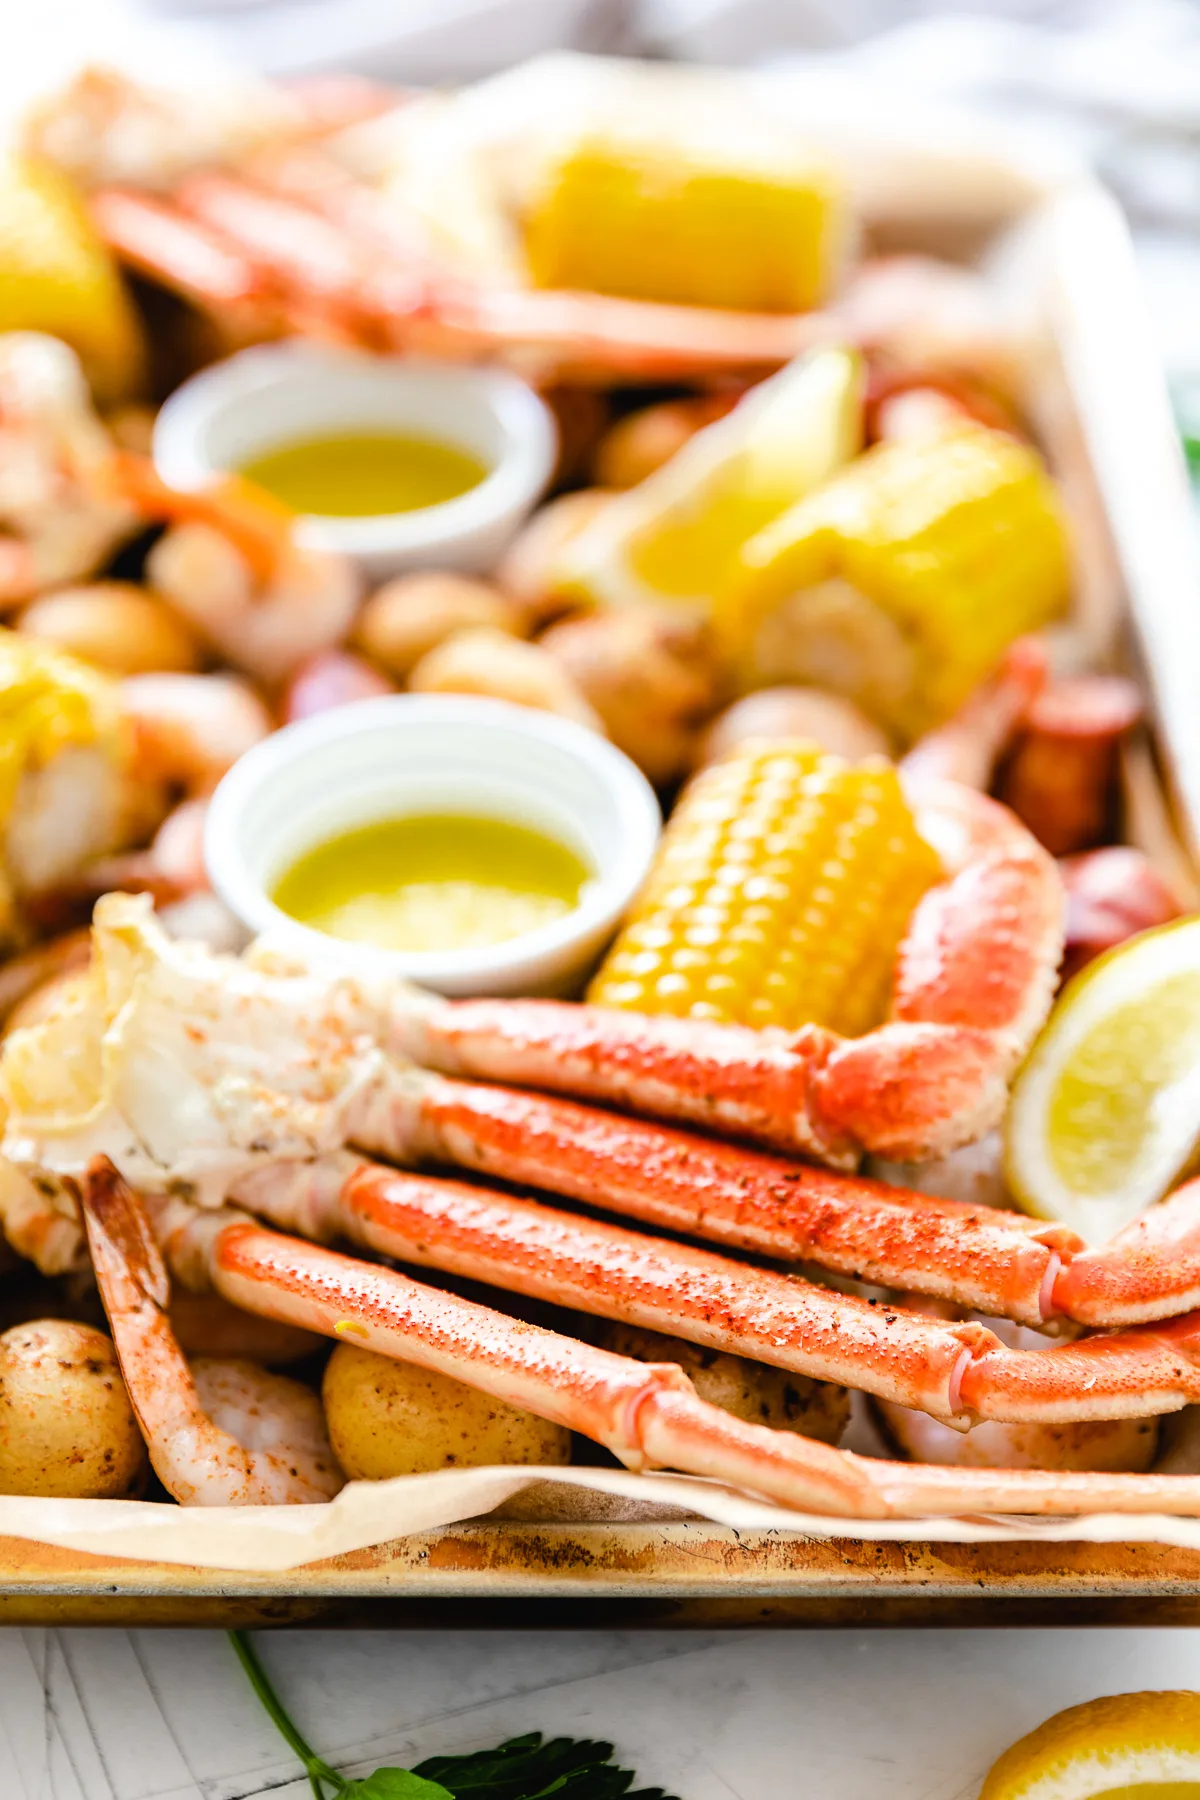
1123	1747
57	277
675	535
1105	1114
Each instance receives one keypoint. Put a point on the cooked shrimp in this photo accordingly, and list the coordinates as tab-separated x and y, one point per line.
268	624
55	524
41	1221
188	729
219	1433
171	867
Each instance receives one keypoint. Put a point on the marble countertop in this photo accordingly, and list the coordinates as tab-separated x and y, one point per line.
821	1715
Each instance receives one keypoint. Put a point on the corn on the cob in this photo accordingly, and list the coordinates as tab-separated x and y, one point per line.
63	767
49	703
752	224
956	544
783	887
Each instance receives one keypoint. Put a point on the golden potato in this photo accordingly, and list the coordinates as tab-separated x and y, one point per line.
1108	1445
525	569
749	1390
67	1429
653	676
412	615
392	1418
114	625
829	720
643	441
487	663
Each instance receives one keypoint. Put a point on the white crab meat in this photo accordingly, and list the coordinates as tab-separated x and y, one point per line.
189	1069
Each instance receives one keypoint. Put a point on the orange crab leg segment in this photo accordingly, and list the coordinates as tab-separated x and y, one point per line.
649	1415
957	1372
999	1263
528	1248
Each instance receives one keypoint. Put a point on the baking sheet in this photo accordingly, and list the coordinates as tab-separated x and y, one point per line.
1101	404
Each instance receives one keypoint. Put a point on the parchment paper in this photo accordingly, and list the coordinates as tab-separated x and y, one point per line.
264	1539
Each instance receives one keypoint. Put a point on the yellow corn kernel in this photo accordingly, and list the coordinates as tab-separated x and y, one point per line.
955	544
781	891
747	222
49	703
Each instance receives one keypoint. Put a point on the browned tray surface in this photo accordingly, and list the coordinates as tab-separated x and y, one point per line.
517	1573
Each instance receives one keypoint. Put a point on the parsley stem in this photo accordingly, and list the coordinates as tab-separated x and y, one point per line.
316	1769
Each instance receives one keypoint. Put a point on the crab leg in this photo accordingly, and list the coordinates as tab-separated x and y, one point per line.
155	240
958	1372
226	242
998	1263
1001	1263
608	1270
974	981
648	1415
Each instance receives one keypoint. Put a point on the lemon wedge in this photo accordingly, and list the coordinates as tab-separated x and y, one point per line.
675	536
1123	1747
57	277
1105	1114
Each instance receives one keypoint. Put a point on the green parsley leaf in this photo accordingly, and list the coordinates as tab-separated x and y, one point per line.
528	1768
394	1784
522	1768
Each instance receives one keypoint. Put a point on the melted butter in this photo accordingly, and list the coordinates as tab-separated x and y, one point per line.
365	474
433	881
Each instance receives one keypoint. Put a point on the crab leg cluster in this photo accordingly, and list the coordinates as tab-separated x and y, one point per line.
276	1082
1001	1263
250	248
647	1414
958	1372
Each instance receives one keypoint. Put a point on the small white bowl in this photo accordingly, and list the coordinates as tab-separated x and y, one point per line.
263	399
407	753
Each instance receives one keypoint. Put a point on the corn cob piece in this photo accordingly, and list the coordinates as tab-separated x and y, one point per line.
782	889
748	222
49	703
64	757
956	545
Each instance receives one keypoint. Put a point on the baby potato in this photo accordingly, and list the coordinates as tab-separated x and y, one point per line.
526	570
67	1429
392	1418
412	615
834	723
114	625
487	663
749	1390
653	677
643	441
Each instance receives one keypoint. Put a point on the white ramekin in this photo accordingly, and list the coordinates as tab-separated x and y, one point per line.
410	753
264	398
